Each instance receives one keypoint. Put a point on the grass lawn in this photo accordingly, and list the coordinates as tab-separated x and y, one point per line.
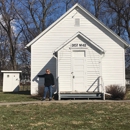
66	116
22	95
16	97
25	96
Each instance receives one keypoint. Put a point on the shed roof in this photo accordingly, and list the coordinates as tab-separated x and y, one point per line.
77	6
84	37
11	71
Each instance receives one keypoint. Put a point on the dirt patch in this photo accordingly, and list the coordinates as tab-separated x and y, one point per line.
100	112
77	122
40	123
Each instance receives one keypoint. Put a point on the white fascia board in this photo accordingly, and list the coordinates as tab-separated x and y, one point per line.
90	41
51	26
102	24
86	12
66	42
83	36
7	71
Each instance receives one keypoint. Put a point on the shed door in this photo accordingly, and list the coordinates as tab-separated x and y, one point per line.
7	86
11	82
79	70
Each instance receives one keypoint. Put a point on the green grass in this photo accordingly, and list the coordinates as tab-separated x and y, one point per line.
25	96
66	116
16	97
22	95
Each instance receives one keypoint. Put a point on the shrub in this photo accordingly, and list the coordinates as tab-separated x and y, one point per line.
116	91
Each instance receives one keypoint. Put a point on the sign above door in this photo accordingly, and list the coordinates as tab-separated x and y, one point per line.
78	45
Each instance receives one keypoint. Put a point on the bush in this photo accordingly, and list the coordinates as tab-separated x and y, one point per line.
116	91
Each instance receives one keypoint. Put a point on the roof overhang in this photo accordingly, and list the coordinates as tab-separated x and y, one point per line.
11	71
82	36
77	7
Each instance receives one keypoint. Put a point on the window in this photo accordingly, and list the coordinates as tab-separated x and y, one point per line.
77	22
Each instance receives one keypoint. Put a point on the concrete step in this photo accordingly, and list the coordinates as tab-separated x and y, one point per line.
82	95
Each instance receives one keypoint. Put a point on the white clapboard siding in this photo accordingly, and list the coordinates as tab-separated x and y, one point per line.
64	67
42	50
93	69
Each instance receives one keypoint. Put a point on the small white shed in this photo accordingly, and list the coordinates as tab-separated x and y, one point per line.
11	81
82	53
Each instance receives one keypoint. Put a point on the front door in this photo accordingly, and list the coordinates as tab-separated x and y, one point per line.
79	70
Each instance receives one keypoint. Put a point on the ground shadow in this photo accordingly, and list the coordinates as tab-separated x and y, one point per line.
39	97
51	64
19	92
97	82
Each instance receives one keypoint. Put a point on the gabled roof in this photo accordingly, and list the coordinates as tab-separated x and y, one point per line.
76	6
84	37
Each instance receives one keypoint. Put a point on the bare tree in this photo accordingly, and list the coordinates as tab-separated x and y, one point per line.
4	53
68	4
21	21
39	14
98	7
119	17
8	22
118	12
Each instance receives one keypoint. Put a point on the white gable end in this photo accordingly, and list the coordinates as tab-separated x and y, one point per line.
89	16
67	55
82	36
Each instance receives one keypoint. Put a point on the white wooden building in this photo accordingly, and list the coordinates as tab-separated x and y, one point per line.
82	53
11	81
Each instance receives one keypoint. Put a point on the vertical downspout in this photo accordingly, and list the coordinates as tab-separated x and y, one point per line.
102	83
57	76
